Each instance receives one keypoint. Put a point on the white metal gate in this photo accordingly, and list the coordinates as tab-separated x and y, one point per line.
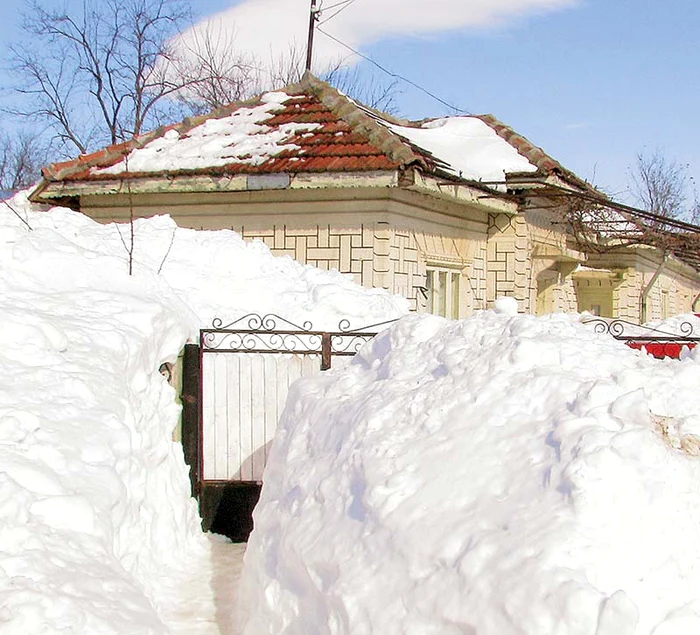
243	397
246	369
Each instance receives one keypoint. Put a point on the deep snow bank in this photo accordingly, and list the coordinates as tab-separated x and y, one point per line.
683	325
98	533
502	474
218	274
97	529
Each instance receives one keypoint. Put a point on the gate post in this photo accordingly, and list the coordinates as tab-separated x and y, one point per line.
325	351
191	377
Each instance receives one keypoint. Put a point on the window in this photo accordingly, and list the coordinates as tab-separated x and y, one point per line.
442	287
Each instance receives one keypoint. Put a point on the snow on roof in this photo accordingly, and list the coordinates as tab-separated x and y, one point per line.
469	148
239	137
312	128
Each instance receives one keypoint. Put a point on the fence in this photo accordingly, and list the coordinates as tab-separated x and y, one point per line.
658	342
233	401
235	385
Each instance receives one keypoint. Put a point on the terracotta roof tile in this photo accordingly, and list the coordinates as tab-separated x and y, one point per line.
329	145
322	130
531	152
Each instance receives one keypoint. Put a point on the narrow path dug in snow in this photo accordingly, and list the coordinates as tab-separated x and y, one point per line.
227	564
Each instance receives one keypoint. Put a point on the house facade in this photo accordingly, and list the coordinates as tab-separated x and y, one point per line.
450	213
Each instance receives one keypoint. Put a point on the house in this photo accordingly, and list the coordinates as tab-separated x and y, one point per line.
451	213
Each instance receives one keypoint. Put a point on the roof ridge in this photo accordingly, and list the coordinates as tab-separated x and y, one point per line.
359	119
533	153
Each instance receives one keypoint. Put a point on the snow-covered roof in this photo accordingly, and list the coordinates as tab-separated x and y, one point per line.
310	127
468	147
241	137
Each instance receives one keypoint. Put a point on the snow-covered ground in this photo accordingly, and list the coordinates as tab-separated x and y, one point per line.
227	564
98	533
500	475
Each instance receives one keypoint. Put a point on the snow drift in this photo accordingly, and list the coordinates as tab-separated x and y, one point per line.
498	475
97	529
216	273
98	533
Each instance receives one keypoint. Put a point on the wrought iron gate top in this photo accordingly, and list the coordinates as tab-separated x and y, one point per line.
628	331
273	334
655	341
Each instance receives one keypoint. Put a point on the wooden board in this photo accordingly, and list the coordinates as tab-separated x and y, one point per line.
244	395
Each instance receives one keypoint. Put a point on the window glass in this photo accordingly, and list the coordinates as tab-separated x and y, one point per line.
443	291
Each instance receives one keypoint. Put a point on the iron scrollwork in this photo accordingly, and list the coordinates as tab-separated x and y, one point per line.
271	333
656	342
261	341
257	322
344	326
349	344
623	330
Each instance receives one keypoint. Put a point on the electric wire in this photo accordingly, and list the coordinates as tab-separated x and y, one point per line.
344	6
333	6
394	75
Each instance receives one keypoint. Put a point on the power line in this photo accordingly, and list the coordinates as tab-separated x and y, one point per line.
392	74
337	4
343	5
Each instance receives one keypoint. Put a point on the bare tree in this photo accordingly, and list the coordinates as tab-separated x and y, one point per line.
287	67
110	72
661	185
212	72
694	212
21	158
94	76
366	87
215	73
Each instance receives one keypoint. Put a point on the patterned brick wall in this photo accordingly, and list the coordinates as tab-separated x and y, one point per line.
669	296
380	256
508	260
349	250
626	297
407	268
374	255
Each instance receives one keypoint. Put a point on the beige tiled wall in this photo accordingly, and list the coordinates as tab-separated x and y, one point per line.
636	270
379	255
679	293
509	266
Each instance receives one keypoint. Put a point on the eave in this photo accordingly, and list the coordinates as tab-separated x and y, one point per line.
472	194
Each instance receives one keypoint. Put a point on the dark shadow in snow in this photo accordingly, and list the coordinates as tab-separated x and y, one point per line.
227	508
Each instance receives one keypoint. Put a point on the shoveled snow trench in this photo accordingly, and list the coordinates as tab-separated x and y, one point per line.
98	531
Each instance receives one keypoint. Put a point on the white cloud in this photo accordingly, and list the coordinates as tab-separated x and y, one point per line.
267	27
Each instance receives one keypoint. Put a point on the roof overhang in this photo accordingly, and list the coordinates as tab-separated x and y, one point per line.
587	273
61	192
51	191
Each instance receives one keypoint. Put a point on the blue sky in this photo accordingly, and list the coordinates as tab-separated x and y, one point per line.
593	82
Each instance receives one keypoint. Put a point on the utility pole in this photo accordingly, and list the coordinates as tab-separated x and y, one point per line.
313	16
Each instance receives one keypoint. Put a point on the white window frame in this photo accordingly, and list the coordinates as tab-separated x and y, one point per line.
444	292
